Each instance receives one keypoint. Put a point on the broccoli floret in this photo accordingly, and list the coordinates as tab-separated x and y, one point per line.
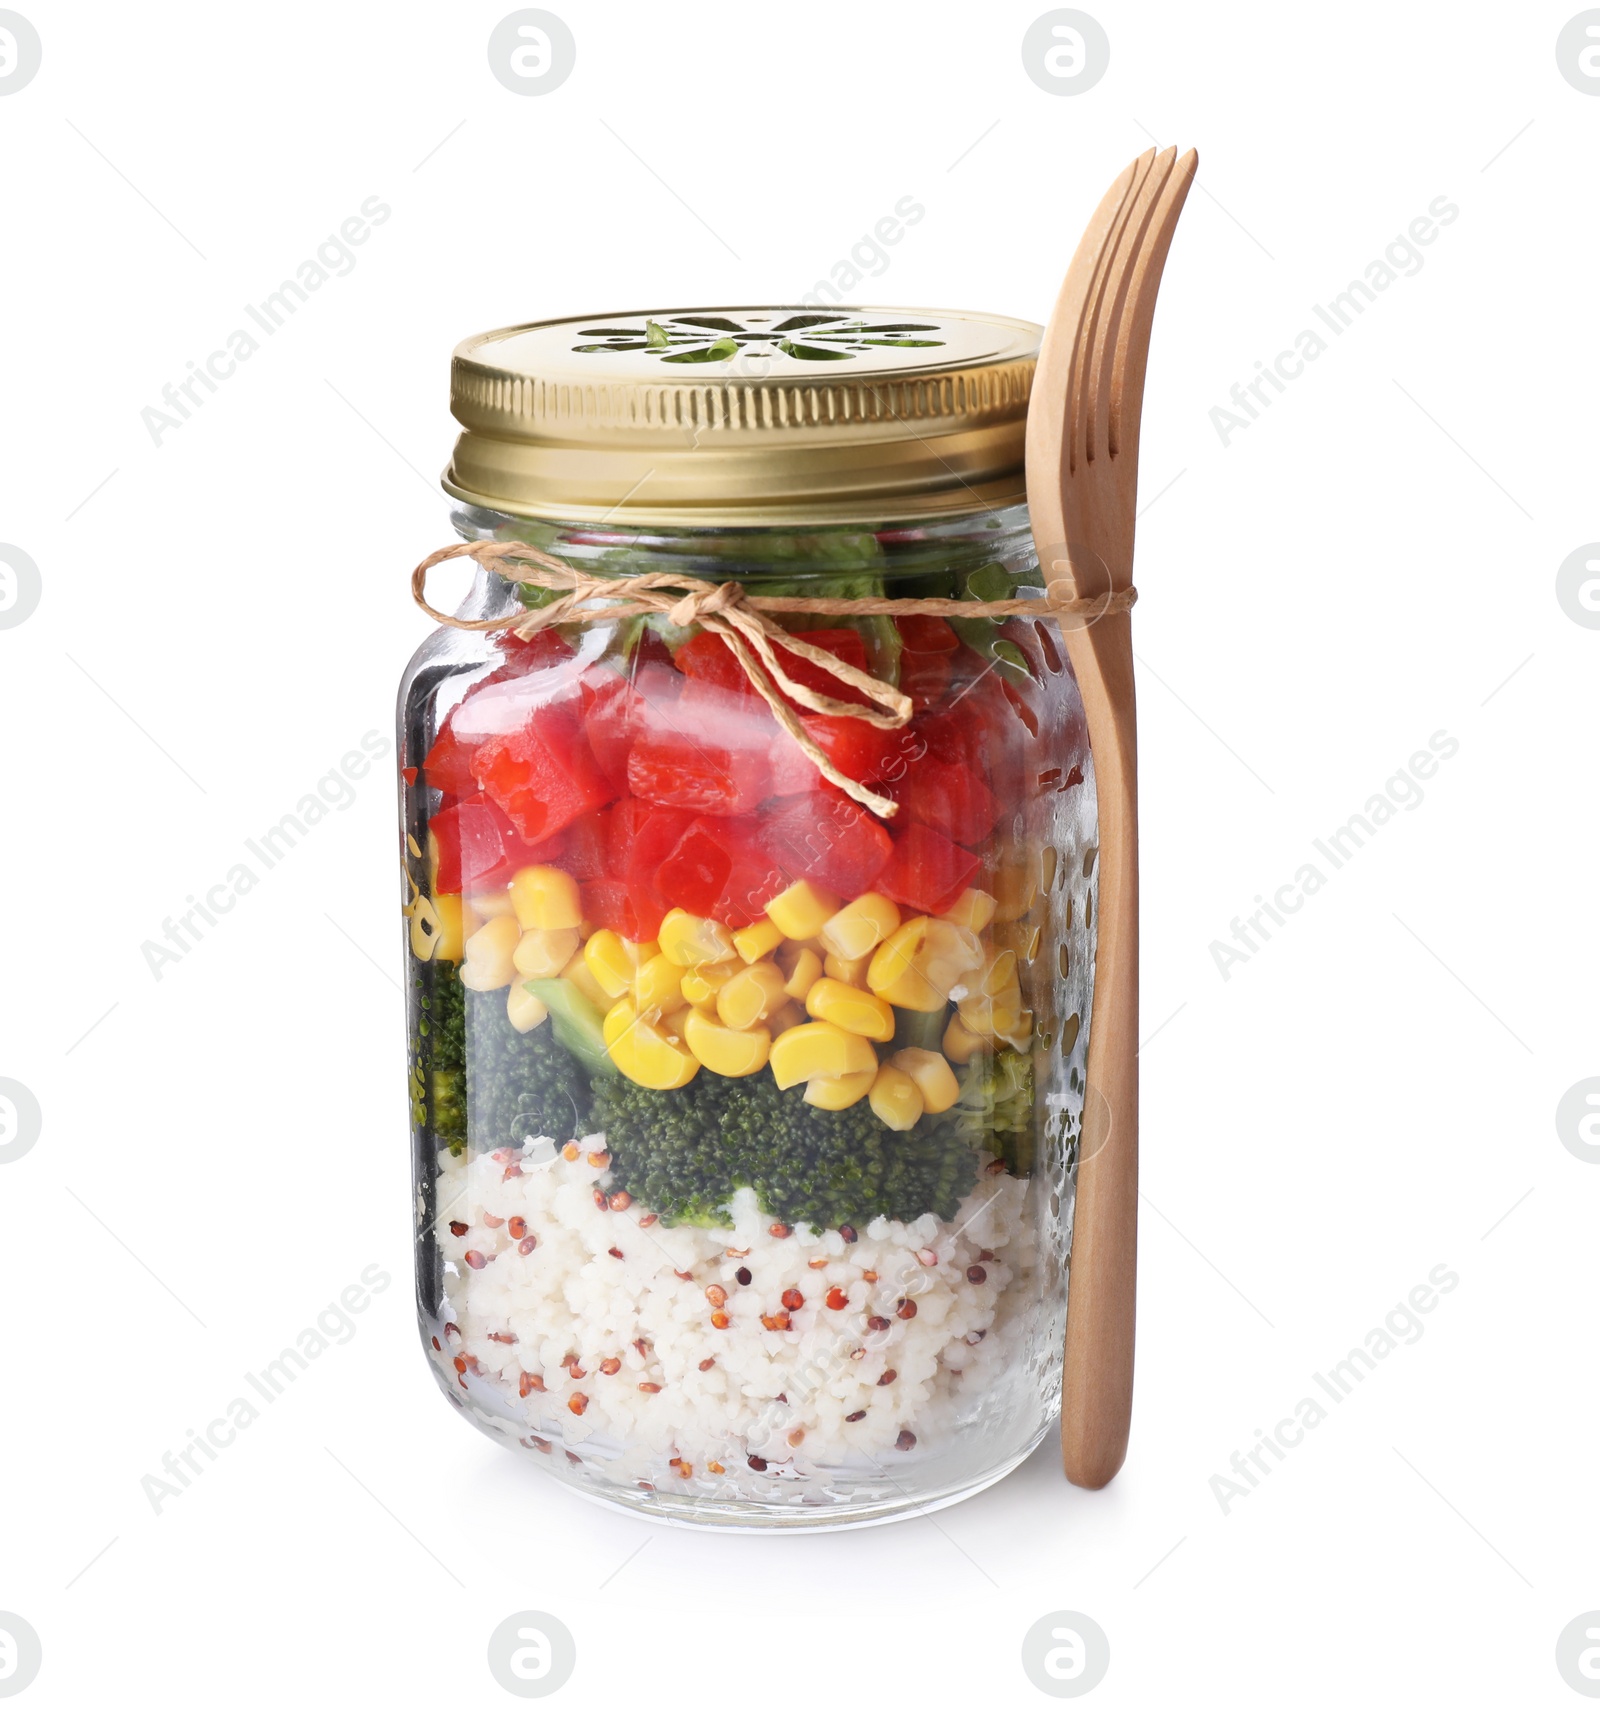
520	1086
995	1109
439	1053
684	1153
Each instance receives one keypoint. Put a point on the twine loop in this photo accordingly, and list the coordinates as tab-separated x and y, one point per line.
740	618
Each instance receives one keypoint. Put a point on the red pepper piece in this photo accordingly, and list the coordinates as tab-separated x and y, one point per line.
542	776
949	797
448	766
708	751
927	650
608	902
480	850
708	658
621	824
828	839
656	834
927	871
861	751
694	874
721	868
607	721
585	853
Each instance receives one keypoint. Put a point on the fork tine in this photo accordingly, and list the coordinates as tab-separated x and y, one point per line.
1082	440
1102	407
1133	343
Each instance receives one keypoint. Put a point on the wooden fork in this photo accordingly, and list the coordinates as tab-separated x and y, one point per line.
1083	471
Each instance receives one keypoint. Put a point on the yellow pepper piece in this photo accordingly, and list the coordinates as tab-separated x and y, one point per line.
523	1009
546	896
933	1076
839	1091
860	926
801	967
974	909
919	966
541	953
723	1049
486	955
757	940
819	1048
961	1044
895	1100
802	910
688	940
854	1010
848	970
610	963
751	995
582	975
658	985
643	1052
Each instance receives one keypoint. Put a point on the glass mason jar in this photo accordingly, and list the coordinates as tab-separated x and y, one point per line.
745	1120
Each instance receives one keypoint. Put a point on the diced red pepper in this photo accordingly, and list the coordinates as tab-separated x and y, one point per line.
542	776
860	750
694	874
621	825
448	766
828	839
608	902
927	650
721	868
949	797
655	835
708	658
707	752
543	647
927	872
585	853
609	720
480	850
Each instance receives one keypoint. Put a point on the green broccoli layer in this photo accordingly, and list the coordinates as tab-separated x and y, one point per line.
439	1053
995	1110
520	1086
684	1153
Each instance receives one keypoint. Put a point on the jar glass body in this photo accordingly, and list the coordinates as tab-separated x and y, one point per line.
691	1264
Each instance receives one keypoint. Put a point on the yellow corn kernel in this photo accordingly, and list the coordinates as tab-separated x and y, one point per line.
918	966
425	928
670	1026
490	904
581	974
452	917
790	1015
819	1048
839	1091
641	952
934	1078
701	984
541	953
486	955
758	940
610	963
723	1049
992	1017
974	909
961	1044
658	985
751	995
802	910
860	926
523	1009
546	896
855	1010
1015	885
688	940
643	1052
1000	975
801	967
895	1100
1021	1035
848	970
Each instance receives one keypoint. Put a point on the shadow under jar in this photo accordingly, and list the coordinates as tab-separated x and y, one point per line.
745	1120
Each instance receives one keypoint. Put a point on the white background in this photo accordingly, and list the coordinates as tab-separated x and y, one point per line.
1369	1096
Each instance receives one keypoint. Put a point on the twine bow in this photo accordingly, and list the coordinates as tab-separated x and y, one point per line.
726	609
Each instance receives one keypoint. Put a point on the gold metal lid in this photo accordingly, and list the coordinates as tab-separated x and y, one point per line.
744	416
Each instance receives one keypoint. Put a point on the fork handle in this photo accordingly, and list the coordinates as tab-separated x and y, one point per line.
1097	1377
